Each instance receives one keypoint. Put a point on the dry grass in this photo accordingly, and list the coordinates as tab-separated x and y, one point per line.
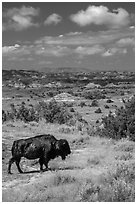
99	169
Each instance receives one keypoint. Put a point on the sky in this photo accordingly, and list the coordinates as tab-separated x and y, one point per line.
93	35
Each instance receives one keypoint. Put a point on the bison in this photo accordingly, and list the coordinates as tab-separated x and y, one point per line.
44	147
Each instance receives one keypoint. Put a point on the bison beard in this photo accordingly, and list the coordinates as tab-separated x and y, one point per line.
44	147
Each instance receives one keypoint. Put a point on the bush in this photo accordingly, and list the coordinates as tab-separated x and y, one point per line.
72	110
3	116
54	112
60	179
93	95
122	124
98	110
22	113
82	104
94	103
97	121
66	130
109	101
106	106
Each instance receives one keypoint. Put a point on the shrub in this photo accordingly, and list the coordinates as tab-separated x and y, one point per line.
109	101
98	110
94	103
106	106
72	110
3	116
22	113
27	114
122	124
87	95
66	130
93	95
82	104
59	179
50	94
89	192
54	112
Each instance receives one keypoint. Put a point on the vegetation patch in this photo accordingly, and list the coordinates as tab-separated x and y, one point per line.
52	112
118	186
60	179
98	110
122	123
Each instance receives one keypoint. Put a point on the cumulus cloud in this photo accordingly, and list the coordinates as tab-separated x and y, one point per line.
126	42
19	18
15	50
53	19
8	49
100	15
113	51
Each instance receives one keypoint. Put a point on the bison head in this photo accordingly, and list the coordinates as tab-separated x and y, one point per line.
63	148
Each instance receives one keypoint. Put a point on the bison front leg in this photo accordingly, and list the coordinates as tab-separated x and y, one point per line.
41	164
46	163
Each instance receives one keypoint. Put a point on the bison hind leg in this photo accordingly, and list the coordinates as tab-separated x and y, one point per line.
18	166
11	161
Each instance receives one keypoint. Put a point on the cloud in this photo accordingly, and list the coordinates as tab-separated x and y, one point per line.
100	15
113	51
15	50
79	45
74	33
88	39
53	19
83	51
126	42
8	49
19	18
50	51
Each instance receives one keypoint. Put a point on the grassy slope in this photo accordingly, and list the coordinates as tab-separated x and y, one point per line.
90	173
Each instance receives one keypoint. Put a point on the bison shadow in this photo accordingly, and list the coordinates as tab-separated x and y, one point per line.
52	170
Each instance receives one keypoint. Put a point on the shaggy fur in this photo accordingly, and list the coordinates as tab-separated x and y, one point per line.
44	147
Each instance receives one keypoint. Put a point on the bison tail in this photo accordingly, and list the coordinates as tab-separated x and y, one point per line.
14	147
